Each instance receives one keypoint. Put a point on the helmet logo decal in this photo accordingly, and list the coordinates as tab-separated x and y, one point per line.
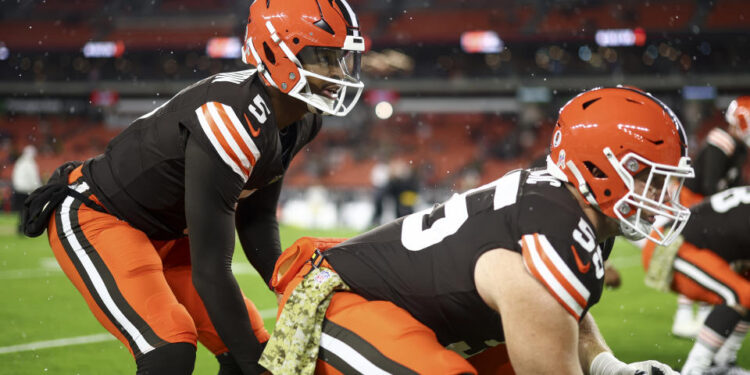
557	138
561	160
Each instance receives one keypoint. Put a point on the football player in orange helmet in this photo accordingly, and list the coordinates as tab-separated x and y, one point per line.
705	264
309	50
519	261
157	213
615	162
738	118
718	166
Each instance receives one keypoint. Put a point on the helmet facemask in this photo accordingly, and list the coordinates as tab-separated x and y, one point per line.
652	196
335	86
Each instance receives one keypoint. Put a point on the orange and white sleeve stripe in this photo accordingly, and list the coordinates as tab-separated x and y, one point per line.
545	264
722	140
229	137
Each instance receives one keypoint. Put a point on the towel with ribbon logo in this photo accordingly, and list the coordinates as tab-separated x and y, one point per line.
293	346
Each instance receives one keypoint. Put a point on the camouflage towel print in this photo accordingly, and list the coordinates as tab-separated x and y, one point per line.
293	346
659	274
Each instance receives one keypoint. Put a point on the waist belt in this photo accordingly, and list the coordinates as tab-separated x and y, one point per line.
39	206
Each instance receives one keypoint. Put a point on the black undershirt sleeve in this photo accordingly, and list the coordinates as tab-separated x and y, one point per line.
258	228
712	167
211	191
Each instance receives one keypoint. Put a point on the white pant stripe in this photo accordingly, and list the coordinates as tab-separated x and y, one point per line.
350	355
706	281
96	279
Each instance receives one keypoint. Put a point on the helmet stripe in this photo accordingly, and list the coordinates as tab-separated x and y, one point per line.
348	13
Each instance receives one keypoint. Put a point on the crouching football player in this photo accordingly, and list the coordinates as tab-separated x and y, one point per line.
519	260
146	231
702	264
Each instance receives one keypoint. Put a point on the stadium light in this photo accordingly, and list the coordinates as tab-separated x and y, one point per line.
699	93
481	42
4	52
104	49
620	37
384	110
224	48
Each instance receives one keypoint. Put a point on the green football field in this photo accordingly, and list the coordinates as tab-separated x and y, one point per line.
46	328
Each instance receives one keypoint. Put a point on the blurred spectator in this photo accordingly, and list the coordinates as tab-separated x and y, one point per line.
25	178
379	180
403	187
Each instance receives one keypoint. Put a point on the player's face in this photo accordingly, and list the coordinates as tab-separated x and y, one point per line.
650	189
333	63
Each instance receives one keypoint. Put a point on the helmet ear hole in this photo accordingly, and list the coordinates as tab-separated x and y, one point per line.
269	54
594	170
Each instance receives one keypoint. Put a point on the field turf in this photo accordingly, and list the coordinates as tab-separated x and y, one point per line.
38	305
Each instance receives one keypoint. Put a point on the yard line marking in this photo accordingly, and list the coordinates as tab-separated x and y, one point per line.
628	261
56	271
243	269
79	340
57	343
29	273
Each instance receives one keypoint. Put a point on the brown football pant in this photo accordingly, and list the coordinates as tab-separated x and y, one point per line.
139	289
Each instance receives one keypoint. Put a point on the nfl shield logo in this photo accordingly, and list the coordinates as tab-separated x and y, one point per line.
322	276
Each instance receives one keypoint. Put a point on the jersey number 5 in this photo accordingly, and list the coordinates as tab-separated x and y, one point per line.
259	109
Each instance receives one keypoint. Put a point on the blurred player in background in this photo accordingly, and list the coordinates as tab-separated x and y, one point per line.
25	179
146	231
518	260
718	166
705	264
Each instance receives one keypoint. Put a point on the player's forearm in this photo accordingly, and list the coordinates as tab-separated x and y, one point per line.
258	229
590	342
261	244
226	308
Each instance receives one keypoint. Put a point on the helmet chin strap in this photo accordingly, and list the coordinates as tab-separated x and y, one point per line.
314	110
317	99
630	232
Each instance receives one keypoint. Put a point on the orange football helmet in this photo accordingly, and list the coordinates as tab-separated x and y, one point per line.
283	36
738	118
604	138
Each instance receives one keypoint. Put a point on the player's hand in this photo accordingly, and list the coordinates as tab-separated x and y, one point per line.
611	277
606	364
652	368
